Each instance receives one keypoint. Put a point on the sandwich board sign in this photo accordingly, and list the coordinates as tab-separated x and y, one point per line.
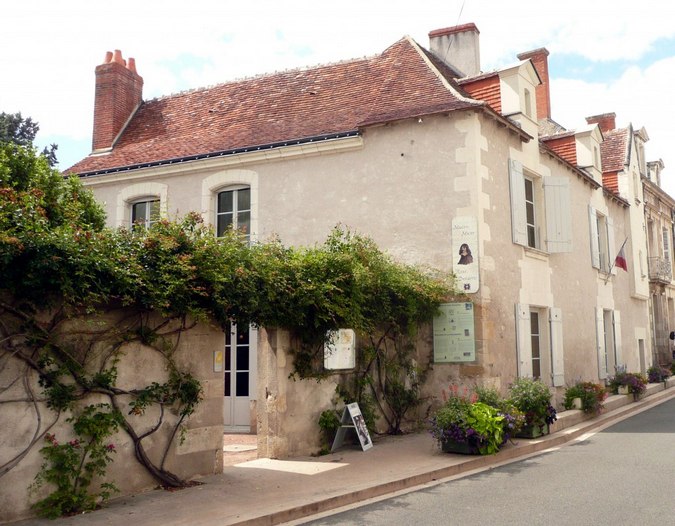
352	419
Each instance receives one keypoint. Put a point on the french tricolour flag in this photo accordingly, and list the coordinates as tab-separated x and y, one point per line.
620	260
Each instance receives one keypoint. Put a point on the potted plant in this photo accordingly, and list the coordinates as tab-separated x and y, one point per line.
514	419
533	398
657	374
628	383
467	427
591	396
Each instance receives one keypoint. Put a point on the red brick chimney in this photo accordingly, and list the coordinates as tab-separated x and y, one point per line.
606	121
119	92
539	58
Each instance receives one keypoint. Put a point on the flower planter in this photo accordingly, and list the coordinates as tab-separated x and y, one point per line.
624	390
576	403
462	448
533	431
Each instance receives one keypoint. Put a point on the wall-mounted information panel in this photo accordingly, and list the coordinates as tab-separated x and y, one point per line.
454	338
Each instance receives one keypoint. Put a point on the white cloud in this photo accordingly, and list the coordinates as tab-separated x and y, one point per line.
50	50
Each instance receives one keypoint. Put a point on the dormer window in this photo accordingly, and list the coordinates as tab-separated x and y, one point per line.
528	103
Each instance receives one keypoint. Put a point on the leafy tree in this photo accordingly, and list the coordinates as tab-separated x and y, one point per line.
17	130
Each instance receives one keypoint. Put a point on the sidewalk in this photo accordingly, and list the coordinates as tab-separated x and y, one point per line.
267	492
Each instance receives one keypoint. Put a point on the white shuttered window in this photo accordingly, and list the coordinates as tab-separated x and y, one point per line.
540	205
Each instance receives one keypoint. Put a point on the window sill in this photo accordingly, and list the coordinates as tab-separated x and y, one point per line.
536	253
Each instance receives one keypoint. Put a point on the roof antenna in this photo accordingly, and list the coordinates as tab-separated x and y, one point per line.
452	37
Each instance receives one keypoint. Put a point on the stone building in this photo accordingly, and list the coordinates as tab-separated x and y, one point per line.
433	158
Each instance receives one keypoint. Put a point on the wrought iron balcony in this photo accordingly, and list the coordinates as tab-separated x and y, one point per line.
660	269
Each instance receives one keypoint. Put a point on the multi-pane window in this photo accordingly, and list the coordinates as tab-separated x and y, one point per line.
531	214
144	213
539	343
535	338
540	210
602	240
234	211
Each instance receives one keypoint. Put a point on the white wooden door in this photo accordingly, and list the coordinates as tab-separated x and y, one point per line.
240	373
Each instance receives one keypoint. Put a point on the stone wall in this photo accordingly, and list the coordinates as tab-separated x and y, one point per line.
200	453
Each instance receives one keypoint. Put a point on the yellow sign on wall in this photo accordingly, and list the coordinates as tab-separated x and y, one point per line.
217	361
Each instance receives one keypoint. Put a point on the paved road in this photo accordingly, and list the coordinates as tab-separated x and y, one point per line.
622	475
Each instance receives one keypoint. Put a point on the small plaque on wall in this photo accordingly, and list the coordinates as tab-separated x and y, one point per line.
217	361
454	338
339	352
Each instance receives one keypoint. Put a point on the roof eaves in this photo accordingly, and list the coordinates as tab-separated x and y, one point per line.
221	153
615	197
477	105
583	174
653	187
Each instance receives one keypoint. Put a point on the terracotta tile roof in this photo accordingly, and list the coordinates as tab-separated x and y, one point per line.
485	87
286	106
610	181
614	150
563	144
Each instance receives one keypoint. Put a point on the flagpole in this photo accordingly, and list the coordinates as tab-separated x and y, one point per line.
609	272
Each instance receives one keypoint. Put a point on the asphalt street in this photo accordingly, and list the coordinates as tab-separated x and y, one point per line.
624	474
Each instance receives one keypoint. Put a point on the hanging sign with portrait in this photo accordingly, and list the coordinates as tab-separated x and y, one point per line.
465	253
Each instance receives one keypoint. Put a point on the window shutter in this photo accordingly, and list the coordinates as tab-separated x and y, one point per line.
523	341
557	357
600	343
617	338
518	212
595	250
611	246
558	214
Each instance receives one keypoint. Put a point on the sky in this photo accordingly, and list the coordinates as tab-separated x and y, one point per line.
605	56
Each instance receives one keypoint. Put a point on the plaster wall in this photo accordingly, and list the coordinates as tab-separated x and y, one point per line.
402	184
200	454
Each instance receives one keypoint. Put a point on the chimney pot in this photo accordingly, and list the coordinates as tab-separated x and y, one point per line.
108	57
131	64
118	57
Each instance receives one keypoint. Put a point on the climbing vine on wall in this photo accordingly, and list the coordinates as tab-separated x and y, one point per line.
77	299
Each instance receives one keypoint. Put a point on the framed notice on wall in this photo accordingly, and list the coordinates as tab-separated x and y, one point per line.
454	338
339	352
